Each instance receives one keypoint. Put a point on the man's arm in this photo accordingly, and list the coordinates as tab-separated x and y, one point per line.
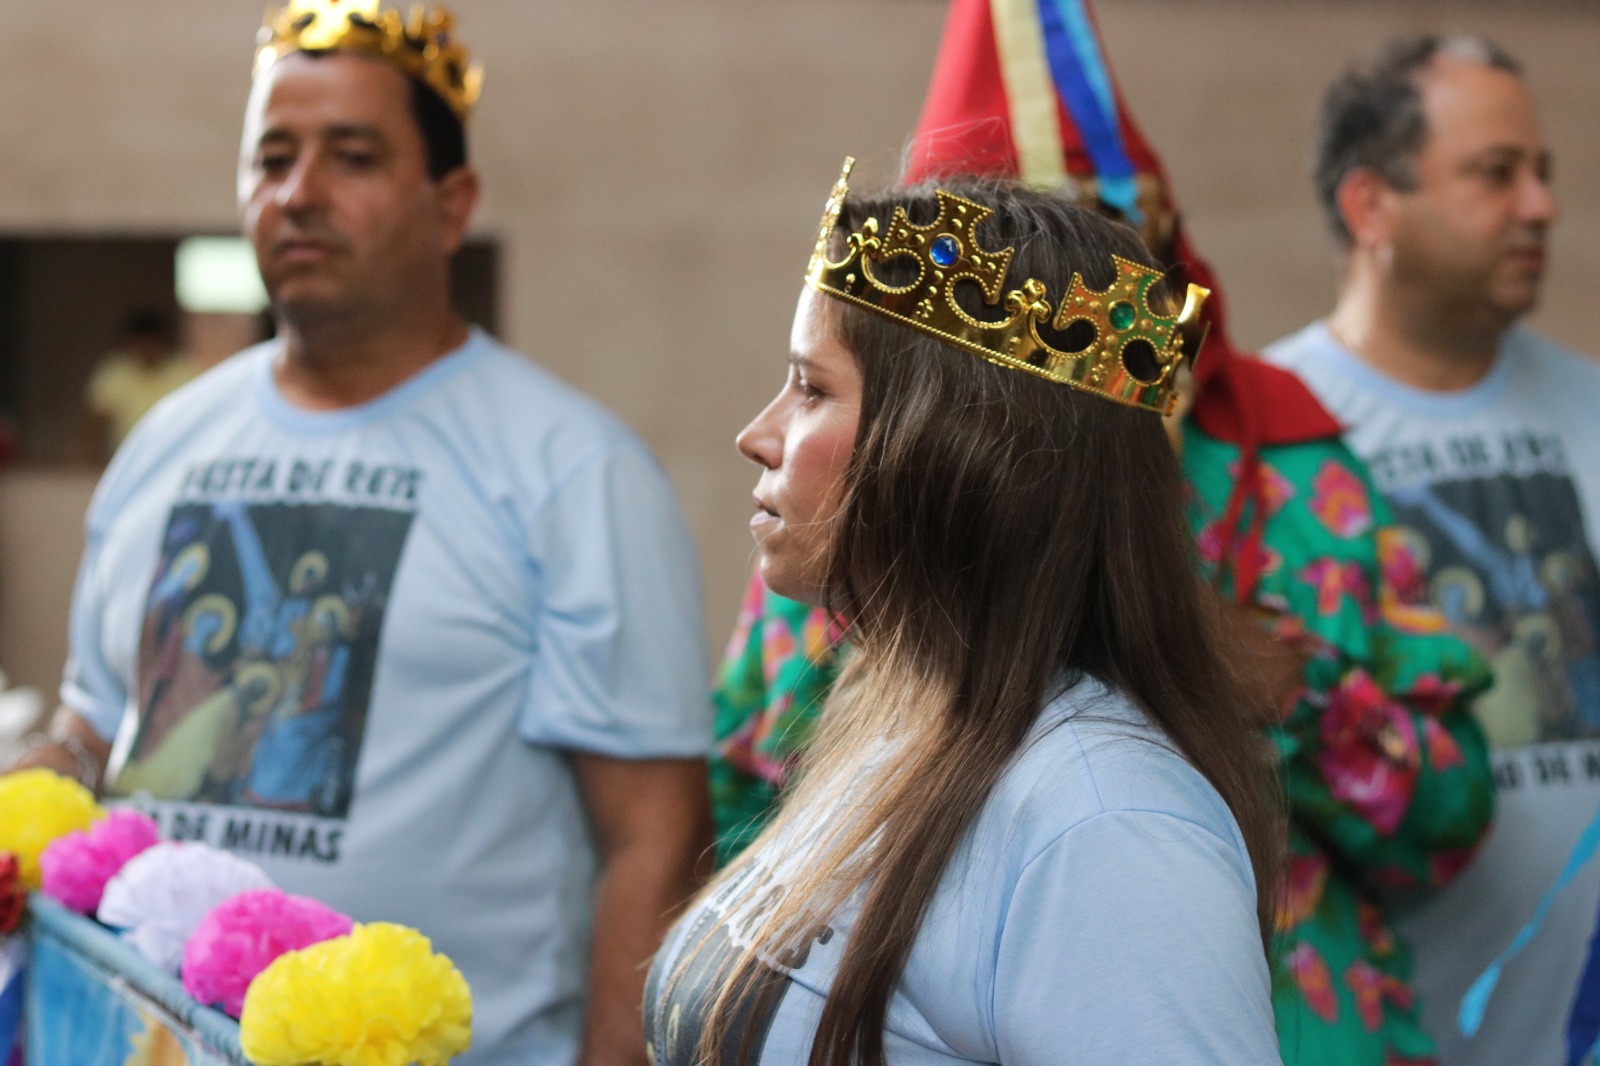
652	825
70	746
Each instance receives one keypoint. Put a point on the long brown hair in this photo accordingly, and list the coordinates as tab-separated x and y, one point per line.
998	531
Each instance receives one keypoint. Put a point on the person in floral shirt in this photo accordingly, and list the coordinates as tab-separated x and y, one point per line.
783	658
1385	770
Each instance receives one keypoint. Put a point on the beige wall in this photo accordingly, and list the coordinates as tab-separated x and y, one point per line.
41	520
655	169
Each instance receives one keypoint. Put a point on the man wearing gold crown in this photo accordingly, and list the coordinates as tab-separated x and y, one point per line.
361	603
1435	179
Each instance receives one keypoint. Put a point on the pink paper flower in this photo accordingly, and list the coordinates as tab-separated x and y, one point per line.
241	936
76	867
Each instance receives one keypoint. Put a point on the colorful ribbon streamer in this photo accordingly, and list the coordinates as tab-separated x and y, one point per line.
1084	84
1030	94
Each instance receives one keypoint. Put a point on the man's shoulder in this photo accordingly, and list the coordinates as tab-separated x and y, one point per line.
1311	342
224	387
512	424
167	432
228	381
1327	368
517	396
1550	357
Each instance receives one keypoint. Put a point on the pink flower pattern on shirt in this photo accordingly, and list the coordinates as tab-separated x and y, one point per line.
1443	751
1315	981
1213	546
1273	490
1366	983
1339	500
1370	756
1403	592
1336	579
1301	890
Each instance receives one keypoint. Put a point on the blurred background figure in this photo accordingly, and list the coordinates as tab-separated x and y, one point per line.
146	364
1434	175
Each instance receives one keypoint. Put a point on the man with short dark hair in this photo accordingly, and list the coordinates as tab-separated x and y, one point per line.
1435	178
386	607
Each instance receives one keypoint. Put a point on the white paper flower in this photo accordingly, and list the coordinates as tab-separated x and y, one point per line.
160	896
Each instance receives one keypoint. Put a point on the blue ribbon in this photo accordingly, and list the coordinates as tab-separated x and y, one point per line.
1084	84
1583	1023
1476	1001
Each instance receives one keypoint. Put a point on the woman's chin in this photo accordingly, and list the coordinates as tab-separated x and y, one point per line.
782	579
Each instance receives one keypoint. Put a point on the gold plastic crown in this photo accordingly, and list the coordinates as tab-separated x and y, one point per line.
948	252
423	47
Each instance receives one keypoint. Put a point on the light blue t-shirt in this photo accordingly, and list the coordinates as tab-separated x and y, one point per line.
1100	911
355	646
1497	486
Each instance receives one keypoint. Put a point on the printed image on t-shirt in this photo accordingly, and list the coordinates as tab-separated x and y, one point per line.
1509	565
256	655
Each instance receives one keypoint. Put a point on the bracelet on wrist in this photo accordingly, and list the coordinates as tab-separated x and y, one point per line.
88	767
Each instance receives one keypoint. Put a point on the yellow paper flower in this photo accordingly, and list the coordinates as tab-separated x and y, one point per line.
36	807
378	997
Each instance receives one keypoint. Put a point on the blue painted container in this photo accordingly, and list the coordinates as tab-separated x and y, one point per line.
92	1000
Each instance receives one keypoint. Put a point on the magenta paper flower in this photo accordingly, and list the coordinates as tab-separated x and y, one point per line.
76	867
242	936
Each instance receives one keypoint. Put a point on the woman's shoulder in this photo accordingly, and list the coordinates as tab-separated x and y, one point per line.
1095	753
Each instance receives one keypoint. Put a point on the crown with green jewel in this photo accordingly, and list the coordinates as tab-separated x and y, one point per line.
1125	327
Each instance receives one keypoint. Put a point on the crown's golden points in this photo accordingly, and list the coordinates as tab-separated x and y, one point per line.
425	46
1131	357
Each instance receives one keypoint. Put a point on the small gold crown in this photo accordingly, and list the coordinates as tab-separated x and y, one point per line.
947	252
425	47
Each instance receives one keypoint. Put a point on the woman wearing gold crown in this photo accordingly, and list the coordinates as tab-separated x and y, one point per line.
1386	772
1034	827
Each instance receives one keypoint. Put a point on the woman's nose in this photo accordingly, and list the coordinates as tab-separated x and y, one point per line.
761	441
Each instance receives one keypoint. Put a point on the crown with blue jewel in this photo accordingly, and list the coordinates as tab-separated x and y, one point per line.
1125	327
